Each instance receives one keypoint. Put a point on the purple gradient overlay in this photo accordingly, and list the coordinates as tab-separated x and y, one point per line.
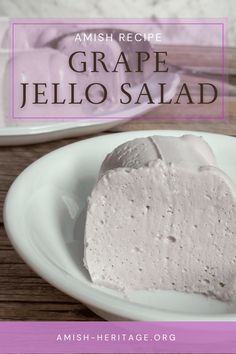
117	337
96	22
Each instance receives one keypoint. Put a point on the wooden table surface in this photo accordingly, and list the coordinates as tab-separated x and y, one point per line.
23	294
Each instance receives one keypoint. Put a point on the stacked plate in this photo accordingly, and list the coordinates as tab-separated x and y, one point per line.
16	133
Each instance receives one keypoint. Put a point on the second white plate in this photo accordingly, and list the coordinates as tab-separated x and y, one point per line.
29	133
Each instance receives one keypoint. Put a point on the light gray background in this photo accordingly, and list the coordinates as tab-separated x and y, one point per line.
124	9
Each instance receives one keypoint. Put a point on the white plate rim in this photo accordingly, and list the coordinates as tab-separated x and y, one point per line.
62	125
88	294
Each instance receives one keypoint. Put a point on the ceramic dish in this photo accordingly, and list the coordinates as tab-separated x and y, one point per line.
44	217
21	133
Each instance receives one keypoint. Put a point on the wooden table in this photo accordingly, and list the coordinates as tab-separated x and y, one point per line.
23	294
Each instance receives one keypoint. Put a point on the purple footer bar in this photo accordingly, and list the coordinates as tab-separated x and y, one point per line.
117	337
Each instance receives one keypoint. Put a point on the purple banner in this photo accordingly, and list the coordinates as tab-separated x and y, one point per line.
78	69
117	337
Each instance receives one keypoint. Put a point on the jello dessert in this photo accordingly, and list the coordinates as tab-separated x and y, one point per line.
162	216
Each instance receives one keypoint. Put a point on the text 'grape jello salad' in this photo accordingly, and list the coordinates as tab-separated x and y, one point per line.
162	216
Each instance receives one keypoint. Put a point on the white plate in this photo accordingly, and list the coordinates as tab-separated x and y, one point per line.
29	133
24	135
38	132
44	217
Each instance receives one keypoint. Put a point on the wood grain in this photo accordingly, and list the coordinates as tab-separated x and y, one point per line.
206	59
23	294
226	126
